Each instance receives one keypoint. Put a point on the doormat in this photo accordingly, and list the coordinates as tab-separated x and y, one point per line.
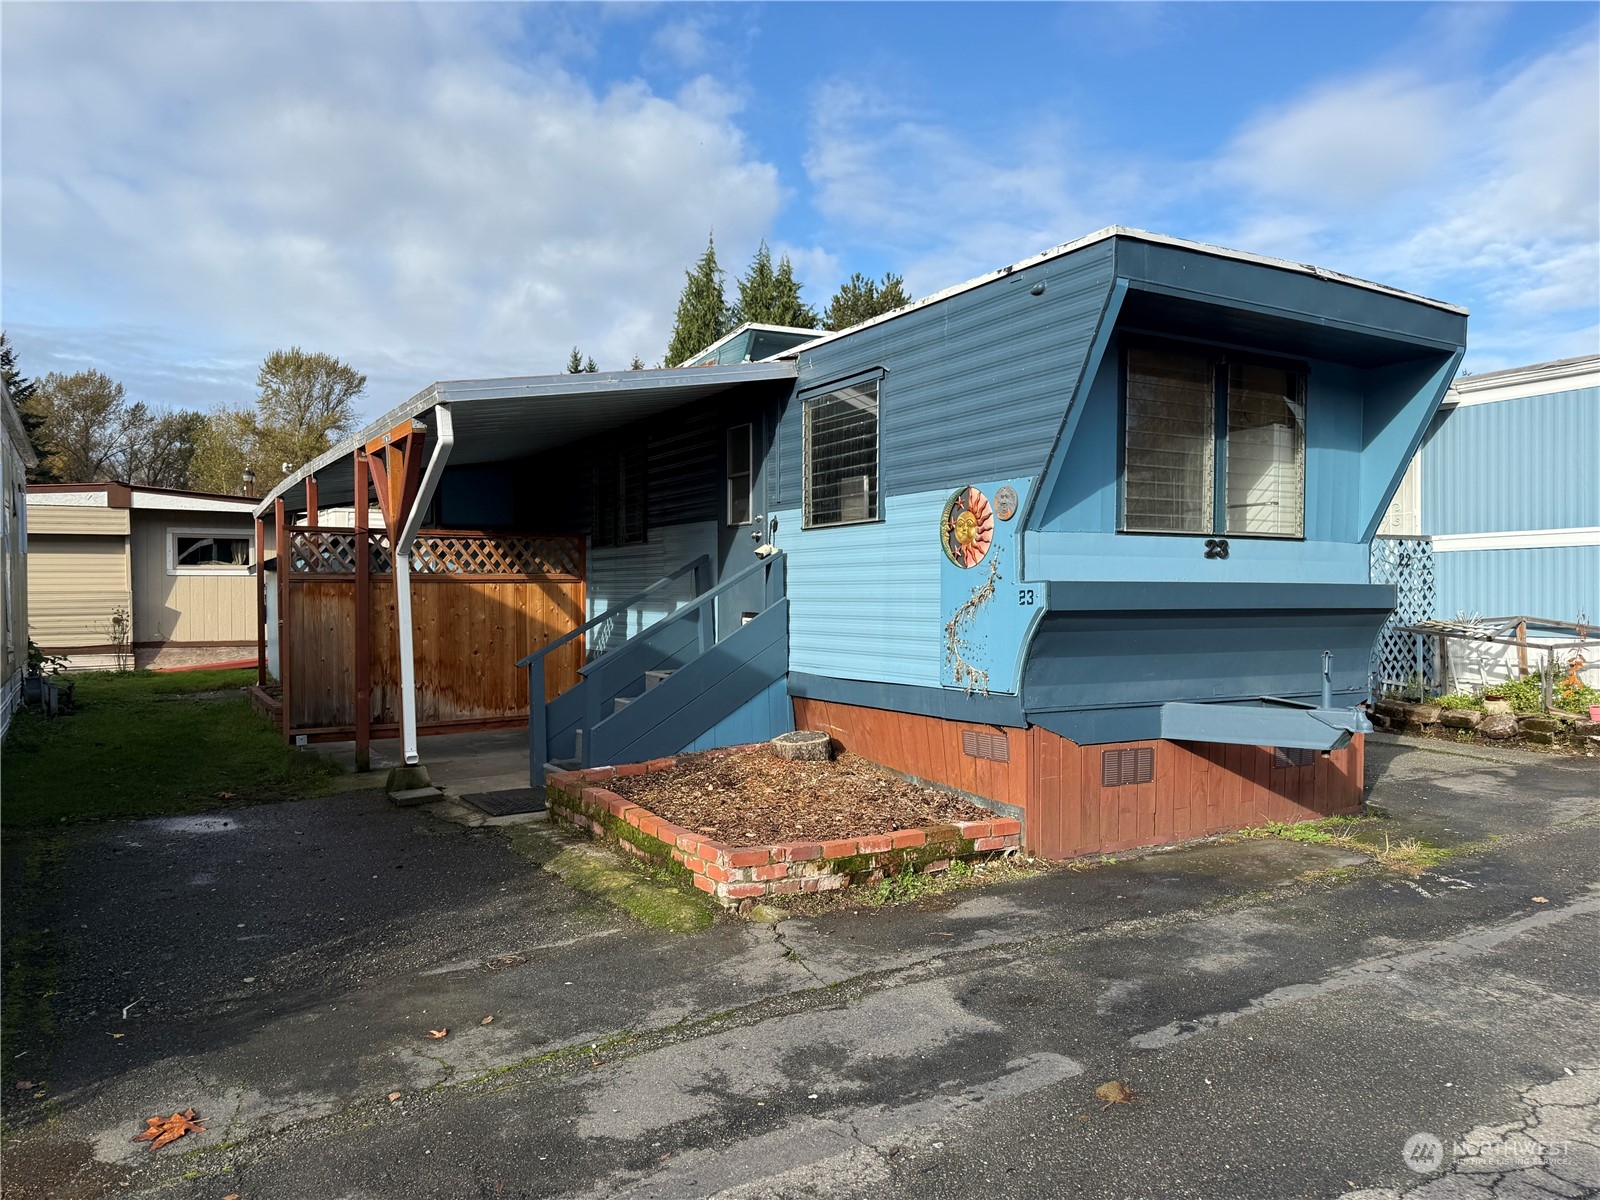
507	803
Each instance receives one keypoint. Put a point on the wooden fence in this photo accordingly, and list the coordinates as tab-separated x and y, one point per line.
480	601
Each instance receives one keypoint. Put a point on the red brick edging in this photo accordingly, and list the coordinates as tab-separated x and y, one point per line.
737	876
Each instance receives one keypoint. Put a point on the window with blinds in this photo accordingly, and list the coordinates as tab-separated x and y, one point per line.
1266	454
619	497
841	456
740	461
1211	445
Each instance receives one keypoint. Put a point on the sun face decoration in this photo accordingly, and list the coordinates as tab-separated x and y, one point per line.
968	527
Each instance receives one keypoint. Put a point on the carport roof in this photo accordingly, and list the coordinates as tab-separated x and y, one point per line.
500	419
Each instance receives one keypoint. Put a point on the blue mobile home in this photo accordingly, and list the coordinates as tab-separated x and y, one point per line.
1086	538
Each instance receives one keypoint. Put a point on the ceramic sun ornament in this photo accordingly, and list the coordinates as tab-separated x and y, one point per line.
968	527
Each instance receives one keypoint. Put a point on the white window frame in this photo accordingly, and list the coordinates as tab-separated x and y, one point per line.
245	535
748	475
808	402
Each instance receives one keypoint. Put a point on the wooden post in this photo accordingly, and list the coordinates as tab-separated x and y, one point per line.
363	624
281	542
1522	649
261	603
311	501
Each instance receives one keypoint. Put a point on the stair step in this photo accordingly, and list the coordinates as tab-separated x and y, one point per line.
656	678
621	702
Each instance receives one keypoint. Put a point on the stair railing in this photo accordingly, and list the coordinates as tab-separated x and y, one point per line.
538	737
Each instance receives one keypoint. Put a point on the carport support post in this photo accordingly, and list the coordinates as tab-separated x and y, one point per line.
261	603
281	552
363	623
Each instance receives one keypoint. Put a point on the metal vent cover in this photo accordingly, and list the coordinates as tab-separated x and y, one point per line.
1285	757
978	743
1121	767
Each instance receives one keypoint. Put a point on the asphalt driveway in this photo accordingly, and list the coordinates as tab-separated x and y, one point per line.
1287	1015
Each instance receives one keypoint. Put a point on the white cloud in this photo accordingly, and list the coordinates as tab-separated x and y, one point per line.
378	182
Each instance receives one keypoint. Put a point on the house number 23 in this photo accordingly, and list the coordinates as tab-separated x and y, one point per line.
1025	596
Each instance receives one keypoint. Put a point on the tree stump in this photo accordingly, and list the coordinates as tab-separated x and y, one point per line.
803	745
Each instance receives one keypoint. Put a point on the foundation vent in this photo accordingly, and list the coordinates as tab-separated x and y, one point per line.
1284	757
1119	767
976	743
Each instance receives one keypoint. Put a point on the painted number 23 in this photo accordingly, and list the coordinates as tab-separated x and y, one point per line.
1025	596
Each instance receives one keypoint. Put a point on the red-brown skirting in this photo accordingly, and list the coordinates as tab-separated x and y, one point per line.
1197	788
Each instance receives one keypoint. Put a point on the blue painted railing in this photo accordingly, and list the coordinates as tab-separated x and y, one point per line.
671	644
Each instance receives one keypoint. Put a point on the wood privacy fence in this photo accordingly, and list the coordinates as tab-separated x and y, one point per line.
480	601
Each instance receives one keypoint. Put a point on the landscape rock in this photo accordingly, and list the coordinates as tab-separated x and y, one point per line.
1498	726
1461	718
1539	737
1420	716
1538	724
1496	705
1586	728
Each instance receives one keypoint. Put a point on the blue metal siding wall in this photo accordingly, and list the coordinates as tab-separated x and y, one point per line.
864	599
1555	582
1513	464
976	385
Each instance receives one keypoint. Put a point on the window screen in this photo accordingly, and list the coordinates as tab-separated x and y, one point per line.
207	550
1170	442
841	456
739	473
1266	452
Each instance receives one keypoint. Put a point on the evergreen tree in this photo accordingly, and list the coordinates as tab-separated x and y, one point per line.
21	389
589	365
861	299
574	362
771	297
702	315
637	364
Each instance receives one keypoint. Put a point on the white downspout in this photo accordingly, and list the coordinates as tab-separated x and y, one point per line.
445	434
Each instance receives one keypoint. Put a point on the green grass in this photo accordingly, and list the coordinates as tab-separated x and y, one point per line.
137	746
1364	835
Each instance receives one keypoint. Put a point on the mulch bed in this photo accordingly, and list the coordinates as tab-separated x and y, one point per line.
749	798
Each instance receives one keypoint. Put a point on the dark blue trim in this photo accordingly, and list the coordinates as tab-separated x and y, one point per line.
945	703
1063	596
1097	726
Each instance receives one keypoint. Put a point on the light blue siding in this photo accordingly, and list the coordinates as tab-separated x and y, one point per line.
1559	583
864	599
759	719
1528	463
989	632
977	384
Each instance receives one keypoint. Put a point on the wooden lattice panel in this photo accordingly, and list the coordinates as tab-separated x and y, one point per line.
322	552
519	556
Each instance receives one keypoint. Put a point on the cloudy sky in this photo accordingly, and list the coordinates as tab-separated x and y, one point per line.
456	191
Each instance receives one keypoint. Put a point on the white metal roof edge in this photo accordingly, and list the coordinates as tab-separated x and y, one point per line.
243	505
738	329
1142	235
1515	383
87	498
531	387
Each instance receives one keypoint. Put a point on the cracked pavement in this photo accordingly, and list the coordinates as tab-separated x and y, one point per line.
1288	1017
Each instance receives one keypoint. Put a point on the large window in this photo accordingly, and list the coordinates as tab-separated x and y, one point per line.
1212	445
841	456
740	460
619	497
208	552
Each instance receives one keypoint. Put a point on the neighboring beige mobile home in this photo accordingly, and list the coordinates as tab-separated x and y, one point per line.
124	576
16	456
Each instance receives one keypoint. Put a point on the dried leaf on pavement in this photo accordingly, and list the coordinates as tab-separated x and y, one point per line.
393	1096
24	1085
489	1020
161	1130
1114	1091
1540	900
436	1034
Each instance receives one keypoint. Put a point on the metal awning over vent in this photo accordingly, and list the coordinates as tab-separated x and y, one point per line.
1267	723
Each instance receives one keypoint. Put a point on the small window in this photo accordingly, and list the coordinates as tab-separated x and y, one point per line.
841	456
208	552
1121	767
1212	445
619	497
740	458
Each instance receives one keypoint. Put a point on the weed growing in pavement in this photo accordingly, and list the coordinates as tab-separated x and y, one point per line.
1408	856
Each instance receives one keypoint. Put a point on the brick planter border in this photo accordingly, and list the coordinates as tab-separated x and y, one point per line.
737	876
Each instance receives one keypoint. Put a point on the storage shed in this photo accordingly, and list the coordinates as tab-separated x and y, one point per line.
123	576
1086	538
